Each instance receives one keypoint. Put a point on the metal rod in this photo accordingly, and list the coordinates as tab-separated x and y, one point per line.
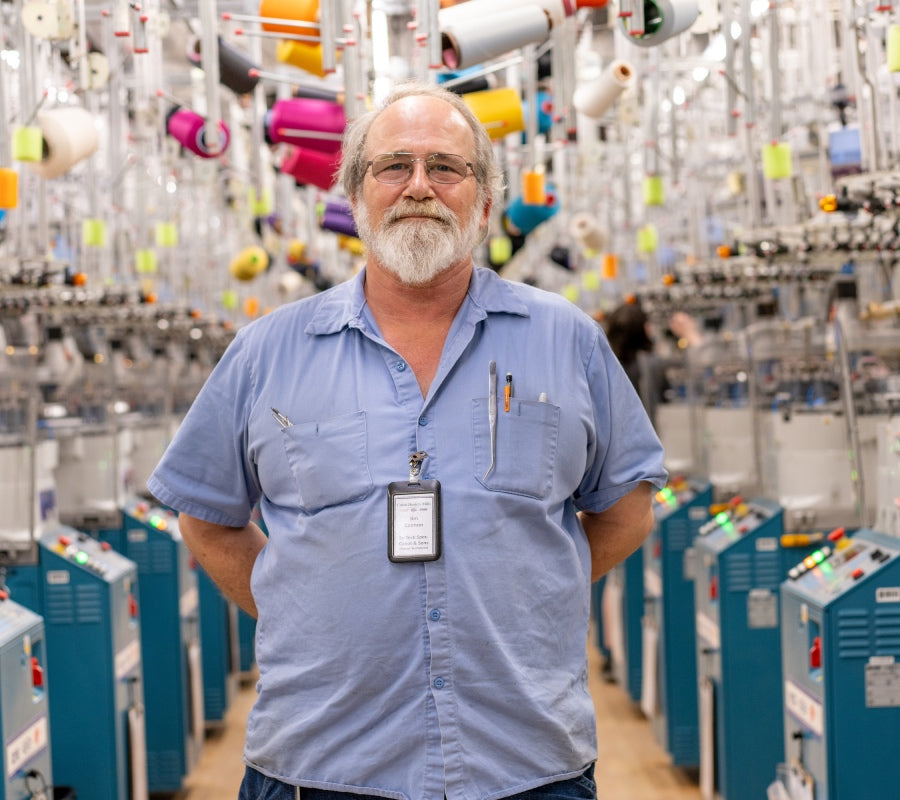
293	37
291	23
210	60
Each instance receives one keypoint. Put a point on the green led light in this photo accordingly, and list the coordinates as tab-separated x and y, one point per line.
81	557
722	517
826	568
667	492
818	556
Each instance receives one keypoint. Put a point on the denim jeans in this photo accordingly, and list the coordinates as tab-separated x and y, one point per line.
257	786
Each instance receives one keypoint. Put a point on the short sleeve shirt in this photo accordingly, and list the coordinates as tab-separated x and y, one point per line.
465	676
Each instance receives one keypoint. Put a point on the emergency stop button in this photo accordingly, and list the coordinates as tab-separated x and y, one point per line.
836	534
815	653
37	673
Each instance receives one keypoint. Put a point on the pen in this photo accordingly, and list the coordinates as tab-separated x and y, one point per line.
280	418
492	413
507	391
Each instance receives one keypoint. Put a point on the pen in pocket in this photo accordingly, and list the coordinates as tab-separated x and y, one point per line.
492	414
281	419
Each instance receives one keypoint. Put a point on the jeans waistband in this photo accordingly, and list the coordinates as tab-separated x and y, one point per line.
257	786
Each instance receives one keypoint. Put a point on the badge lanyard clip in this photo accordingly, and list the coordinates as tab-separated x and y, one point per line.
415	465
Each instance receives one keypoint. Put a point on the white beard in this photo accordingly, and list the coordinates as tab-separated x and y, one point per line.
418	250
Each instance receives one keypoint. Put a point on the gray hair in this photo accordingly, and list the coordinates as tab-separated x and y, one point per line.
352	172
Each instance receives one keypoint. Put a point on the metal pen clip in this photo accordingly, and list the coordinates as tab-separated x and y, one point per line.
415	465
281	419
492	415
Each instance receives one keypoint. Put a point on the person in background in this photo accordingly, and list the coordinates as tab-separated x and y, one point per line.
444	460
628	330
685	328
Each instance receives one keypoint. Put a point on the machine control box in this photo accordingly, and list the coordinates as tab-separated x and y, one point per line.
669	687
87	595
170	636
841	667
24	715
742	560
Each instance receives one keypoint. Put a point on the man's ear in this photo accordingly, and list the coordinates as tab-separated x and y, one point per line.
486	212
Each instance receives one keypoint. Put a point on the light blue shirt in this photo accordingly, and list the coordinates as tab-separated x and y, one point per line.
466	675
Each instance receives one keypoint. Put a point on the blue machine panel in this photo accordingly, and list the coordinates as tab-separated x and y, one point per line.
841	663
629	579
679	510
87	595
247	624
24	712
247	643
221	649
170	640
740	565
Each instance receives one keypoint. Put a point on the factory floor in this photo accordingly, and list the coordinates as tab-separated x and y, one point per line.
632	766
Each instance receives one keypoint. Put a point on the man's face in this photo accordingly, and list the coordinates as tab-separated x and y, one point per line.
419	228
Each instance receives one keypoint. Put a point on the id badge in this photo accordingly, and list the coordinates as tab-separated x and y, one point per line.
414	521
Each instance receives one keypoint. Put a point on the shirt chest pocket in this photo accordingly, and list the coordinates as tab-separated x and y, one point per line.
527	437
328	460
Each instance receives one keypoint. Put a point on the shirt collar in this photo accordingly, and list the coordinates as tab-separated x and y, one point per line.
342	307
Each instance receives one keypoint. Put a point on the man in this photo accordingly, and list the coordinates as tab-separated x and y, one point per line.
423	594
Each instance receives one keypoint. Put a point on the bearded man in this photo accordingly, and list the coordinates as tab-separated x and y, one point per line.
443	461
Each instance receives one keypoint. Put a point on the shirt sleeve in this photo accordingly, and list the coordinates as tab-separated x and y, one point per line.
206	471
627	450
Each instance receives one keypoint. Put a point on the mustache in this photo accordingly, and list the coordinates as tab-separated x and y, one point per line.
413	208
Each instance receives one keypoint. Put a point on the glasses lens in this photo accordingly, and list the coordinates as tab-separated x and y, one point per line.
446	168
392	168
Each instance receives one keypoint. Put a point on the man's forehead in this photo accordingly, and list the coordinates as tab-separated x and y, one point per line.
396	118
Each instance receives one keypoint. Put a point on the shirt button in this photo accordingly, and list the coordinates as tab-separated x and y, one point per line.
434	615
401	365
438	683
423	421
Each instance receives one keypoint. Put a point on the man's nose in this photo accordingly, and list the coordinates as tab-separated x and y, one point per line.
419	185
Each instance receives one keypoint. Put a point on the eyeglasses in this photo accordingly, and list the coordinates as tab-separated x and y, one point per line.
439	167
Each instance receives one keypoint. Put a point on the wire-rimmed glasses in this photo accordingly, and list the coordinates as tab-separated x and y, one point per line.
394	168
